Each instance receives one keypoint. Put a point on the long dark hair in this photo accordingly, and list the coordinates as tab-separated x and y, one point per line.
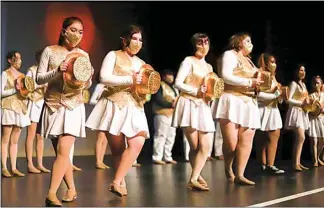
296	77
128	33
10	55
66	23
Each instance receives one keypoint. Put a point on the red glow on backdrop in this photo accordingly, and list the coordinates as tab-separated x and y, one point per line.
58	11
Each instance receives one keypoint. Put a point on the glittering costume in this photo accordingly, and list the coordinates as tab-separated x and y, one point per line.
296	117
191	110
238	102
13	106
64	111
268	106
120	109
316	128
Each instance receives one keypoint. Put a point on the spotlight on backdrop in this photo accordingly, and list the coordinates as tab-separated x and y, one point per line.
58	11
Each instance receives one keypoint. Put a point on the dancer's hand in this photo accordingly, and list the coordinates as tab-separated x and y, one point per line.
256	82
137	78
203	88
306	101
18	86
63	67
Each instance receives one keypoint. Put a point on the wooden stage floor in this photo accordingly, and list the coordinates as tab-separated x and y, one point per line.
164	186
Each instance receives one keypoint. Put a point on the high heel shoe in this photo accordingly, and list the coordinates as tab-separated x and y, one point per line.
241	180
123	190
106	165
43	169
297	168
49	203
202	181
69	197
320	162
6	173
194	185
75	168
303	167
17	173
116	189
101	166
33	170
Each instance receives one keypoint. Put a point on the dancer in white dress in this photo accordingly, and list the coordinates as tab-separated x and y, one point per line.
35	106
120	110
316	129
296	118
271	122
192	113
14	113
64	112
237	108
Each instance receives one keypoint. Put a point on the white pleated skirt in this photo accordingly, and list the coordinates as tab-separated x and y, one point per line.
296	118
243	112
316	128
129	120
9	117
270	118
35	110
63	121
188	113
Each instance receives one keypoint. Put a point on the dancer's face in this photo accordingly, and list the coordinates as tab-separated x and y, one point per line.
135	44
202	46
272	66
247	45
169	78
318	84
16	61
302	73
73	34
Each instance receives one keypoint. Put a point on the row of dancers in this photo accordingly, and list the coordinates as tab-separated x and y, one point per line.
119	112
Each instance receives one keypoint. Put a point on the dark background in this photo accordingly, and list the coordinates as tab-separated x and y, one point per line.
292	31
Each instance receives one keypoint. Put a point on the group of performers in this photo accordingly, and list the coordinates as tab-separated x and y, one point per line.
50	100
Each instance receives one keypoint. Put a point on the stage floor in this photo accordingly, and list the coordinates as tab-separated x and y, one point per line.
163	186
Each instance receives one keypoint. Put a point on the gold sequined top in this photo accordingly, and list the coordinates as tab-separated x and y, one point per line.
297	94
124	95
272	103
319	97
58	94
244	69
300	93
14	102
191	76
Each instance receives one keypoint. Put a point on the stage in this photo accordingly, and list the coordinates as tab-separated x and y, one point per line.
164	186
